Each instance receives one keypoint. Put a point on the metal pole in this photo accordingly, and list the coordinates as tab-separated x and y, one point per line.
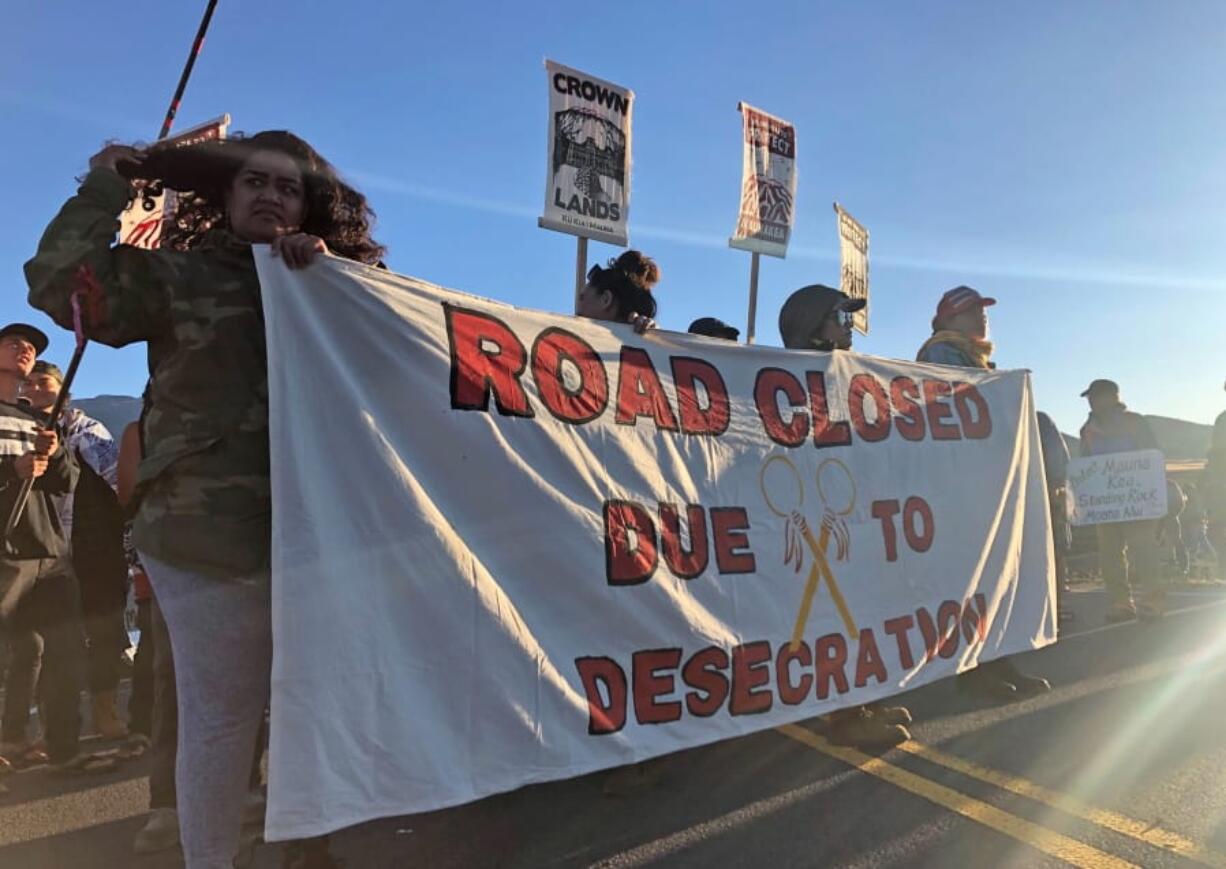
753	297
580	268
187	70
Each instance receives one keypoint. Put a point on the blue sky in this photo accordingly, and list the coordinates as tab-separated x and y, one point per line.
1066	158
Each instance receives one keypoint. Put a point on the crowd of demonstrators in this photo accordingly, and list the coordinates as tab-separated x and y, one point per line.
818	317
1127	551
202	522
194	474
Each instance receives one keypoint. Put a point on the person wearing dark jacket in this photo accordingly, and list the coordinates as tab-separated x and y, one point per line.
37	591
1127	551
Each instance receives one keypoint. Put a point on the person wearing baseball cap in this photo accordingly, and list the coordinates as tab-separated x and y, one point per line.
818	317
37	589
713	327
1127	551
960	337
960	331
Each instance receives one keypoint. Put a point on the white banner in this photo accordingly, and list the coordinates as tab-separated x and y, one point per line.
853	259
140	224
511	546
587	180
768	184
1118	487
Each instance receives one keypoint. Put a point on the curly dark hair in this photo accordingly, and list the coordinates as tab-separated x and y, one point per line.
335	211
639	267
629	294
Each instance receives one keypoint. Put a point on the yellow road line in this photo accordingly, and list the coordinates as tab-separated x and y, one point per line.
1109	820
1048	841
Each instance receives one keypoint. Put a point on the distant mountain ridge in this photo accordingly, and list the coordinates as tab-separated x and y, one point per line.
113	411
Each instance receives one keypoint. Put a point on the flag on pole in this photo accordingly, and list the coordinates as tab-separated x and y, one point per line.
768	184
140	224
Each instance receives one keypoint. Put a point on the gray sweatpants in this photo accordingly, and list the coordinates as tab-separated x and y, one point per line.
221	636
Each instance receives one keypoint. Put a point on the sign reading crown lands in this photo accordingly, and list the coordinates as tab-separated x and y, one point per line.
575	547
587	182
768	184
140	223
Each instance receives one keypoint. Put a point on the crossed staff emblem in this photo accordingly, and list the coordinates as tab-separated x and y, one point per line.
796	529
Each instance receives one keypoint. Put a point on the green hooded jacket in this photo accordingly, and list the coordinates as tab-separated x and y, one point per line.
203	487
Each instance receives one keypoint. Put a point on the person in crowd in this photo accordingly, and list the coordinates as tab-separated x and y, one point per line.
202	522
1170	532
621	291
713	327
1127	551
1055	469
93	525
960	337
1214	486
818	317
38	594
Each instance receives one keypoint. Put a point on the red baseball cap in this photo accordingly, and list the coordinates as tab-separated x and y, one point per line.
960	299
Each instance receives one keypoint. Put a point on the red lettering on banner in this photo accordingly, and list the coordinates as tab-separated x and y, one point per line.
978	425
640	392
629	543
868	660
825	432
938	411
732	554
486	357
749	674
704	672
948	616
862	386
916	512
769	383
928	629
886	511
684	564
589	398
899	628
603	717
648	686
830	653
909	416
793	693
696	419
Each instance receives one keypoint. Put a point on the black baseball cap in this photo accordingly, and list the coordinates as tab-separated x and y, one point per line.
35	336
1099	387
713	327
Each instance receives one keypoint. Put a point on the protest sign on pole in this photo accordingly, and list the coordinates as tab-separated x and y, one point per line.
768	194
575	547
140	223
587	176
853	265
1118	487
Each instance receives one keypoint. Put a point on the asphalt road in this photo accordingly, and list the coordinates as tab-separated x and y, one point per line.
1121	764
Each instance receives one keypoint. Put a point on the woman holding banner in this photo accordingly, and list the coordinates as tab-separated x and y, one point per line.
203	521
621	292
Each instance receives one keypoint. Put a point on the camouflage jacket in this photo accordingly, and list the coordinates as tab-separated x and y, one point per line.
203	486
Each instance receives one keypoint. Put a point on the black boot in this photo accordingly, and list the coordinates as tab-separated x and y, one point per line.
1027	686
